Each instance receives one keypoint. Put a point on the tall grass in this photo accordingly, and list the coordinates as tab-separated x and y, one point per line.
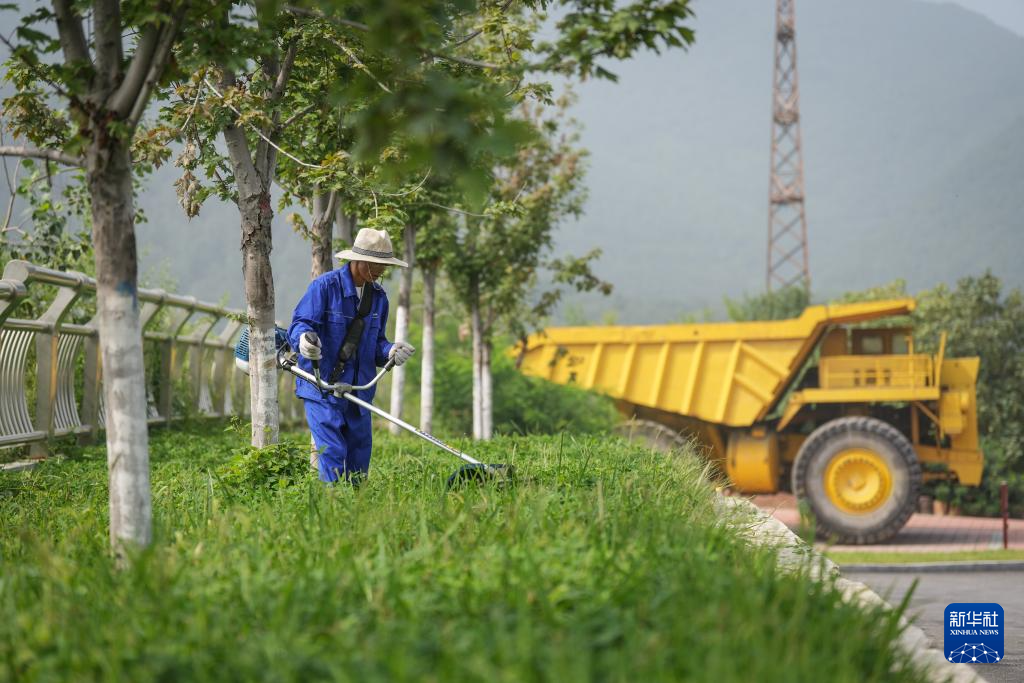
604	562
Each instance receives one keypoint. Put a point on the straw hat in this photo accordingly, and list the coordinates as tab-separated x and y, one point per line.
373	246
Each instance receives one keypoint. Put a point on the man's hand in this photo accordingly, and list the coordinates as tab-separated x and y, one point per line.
401	352
309	345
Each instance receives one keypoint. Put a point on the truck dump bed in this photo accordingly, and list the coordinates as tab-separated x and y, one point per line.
724	373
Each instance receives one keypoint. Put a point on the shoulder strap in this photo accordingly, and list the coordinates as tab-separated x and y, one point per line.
366	303
354	333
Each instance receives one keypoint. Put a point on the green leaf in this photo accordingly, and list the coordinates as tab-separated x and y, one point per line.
31	35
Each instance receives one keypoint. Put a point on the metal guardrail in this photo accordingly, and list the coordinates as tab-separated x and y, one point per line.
851	372
196	367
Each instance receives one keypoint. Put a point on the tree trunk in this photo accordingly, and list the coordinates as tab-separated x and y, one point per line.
322	229
477	332
256	216
109	177
346	225
259	295
402	316
427	363
486	391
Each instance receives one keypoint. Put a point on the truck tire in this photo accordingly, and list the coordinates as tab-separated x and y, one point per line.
861	478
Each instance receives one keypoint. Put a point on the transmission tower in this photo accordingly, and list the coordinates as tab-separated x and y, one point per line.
787	224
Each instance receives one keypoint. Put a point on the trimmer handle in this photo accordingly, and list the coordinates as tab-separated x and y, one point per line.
316	374
289	362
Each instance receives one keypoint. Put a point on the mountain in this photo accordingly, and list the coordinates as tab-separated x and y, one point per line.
913	132
913	143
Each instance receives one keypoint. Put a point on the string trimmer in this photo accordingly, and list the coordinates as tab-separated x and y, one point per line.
473	470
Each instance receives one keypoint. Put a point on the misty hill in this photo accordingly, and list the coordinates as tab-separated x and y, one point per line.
913	130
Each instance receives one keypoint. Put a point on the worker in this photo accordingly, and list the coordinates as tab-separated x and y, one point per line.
340	323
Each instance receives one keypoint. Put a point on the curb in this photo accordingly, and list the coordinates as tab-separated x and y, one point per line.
19	465
935	567
794	553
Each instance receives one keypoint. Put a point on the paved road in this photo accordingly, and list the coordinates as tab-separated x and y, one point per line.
922	533
936	590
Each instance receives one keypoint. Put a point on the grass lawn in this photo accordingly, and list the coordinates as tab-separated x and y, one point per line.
605	562
865	557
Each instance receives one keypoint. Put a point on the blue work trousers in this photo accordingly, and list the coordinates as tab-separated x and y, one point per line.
343	438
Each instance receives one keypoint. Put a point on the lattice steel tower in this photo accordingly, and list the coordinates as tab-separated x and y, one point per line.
787	224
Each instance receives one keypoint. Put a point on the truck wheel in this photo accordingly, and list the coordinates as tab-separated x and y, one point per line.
860	477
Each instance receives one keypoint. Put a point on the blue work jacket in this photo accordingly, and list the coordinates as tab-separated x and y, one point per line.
328	307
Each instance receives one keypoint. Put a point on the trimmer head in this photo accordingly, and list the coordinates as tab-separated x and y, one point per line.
481	473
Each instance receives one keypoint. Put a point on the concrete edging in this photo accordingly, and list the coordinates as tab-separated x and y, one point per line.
19	465
793	553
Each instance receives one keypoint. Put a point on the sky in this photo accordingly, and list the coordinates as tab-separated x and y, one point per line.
1006	13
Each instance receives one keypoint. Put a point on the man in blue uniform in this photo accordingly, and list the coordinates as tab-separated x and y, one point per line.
326	328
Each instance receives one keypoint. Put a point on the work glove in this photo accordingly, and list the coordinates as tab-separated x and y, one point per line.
401	352
309	345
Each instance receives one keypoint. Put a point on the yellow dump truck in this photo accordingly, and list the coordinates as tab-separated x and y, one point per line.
844	414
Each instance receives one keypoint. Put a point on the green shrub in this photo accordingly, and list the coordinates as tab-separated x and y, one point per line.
522	405
276	466
779	304
248	468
